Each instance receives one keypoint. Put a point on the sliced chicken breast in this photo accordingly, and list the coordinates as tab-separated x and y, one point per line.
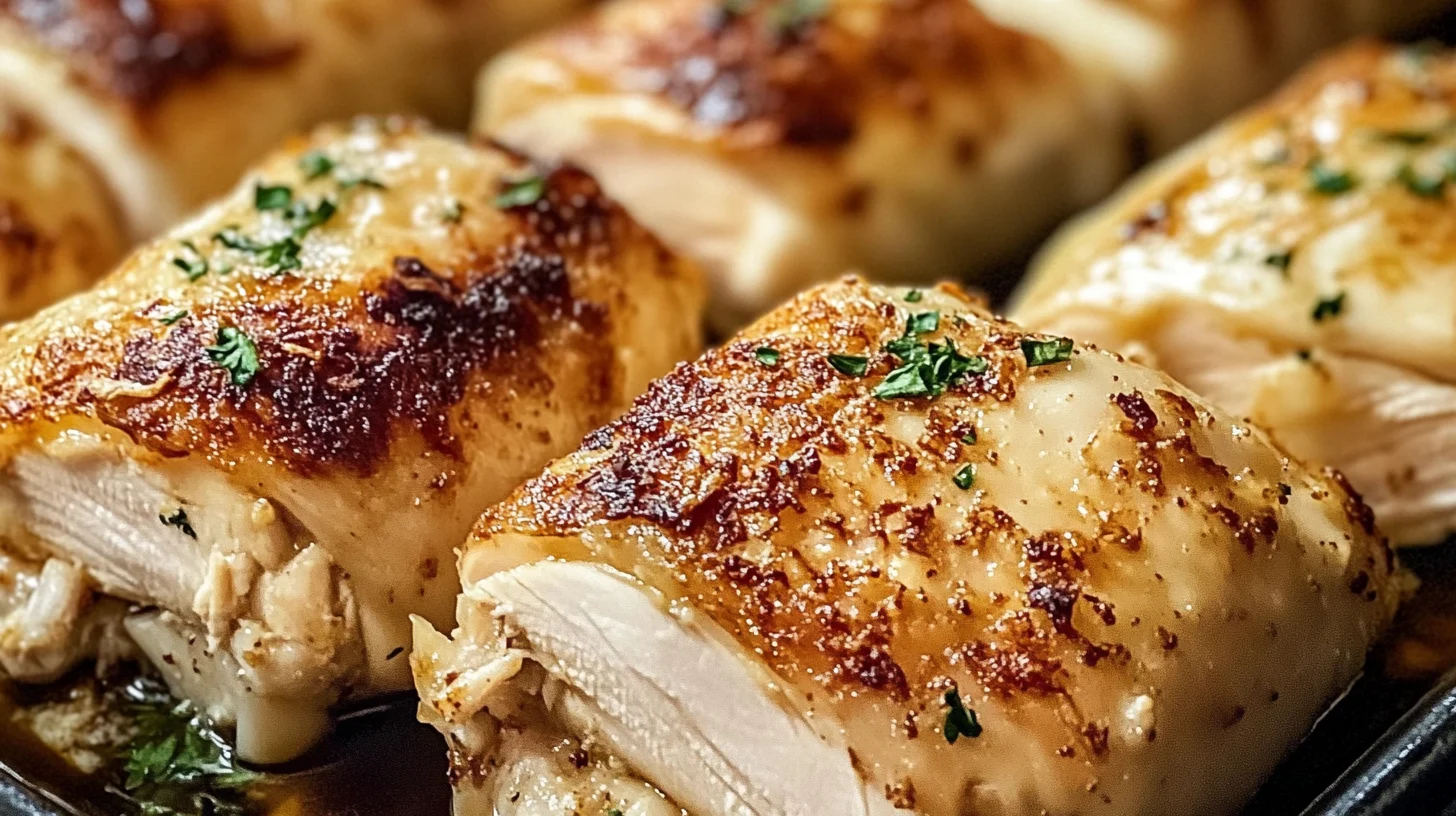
779	144
59	227
1186	64
882	552
1296	267
269	428
171	100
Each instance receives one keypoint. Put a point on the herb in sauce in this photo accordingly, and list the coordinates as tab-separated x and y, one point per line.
959	720
176	763
1327	180
521	193
235	353
767	356
1328	307
180	521
965	477
849	364
1046	352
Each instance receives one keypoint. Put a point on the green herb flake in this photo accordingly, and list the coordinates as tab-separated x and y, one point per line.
1329	307
792	16
614	812
196	266
236	354
1280	260
914	296
1327	180
970	437
360	180
315	164
959	720
176	763
180	521
1423	186
768	357
172	318
965	477
849	364
304	218
452	212
521	193
922	323
266	197
926	370
1409	137
1046	352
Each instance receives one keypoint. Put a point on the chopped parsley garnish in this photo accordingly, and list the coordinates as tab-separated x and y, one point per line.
172	318
237	354
767	356
614	812
1280	260
1046	352
965	477
452	212
970	437
1327	180
314	164
923	323
360	180
1328	307
177	764
959	720
913	296
849	364
196	266
304	218
927	369
180	521
281	255
267	197
521	193
1423	186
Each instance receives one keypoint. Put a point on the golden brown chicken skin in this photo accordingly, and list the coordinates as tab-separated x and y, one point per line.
272	425
1296	267
60	230
882	552
780	142
171	100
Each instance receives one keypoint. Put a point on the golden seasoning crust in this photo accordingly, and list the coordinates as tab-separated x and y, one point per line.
387	324
823	528
135	50
767	72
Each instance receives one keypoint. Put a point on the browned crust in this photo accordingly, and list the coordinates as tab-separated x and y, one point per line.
765	76
136	50
350	361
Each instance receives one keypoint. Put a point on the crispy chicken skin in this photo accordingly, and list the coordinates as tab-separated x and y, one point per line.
1186	64
1296	267
907	138
272	425
59	228
171	100
760	586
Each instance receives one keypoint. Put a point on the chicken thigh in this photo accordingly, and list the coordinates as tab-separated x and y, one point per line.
1297	267
271	426
882	552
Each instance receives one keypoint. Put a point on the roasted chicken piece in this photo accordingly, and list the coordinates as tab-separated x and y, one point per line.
779	143
1297	268
171	100
269	428
1185	64
59	227
882	552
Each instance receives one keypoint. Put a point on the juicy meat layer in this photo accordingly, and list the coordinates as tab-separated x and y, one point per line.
276	422
59	227
776	147
882	552
1296	267
171	100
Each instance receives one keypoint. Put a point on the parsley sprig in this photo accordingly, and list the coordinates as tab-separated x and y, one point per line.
236	354
176	764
